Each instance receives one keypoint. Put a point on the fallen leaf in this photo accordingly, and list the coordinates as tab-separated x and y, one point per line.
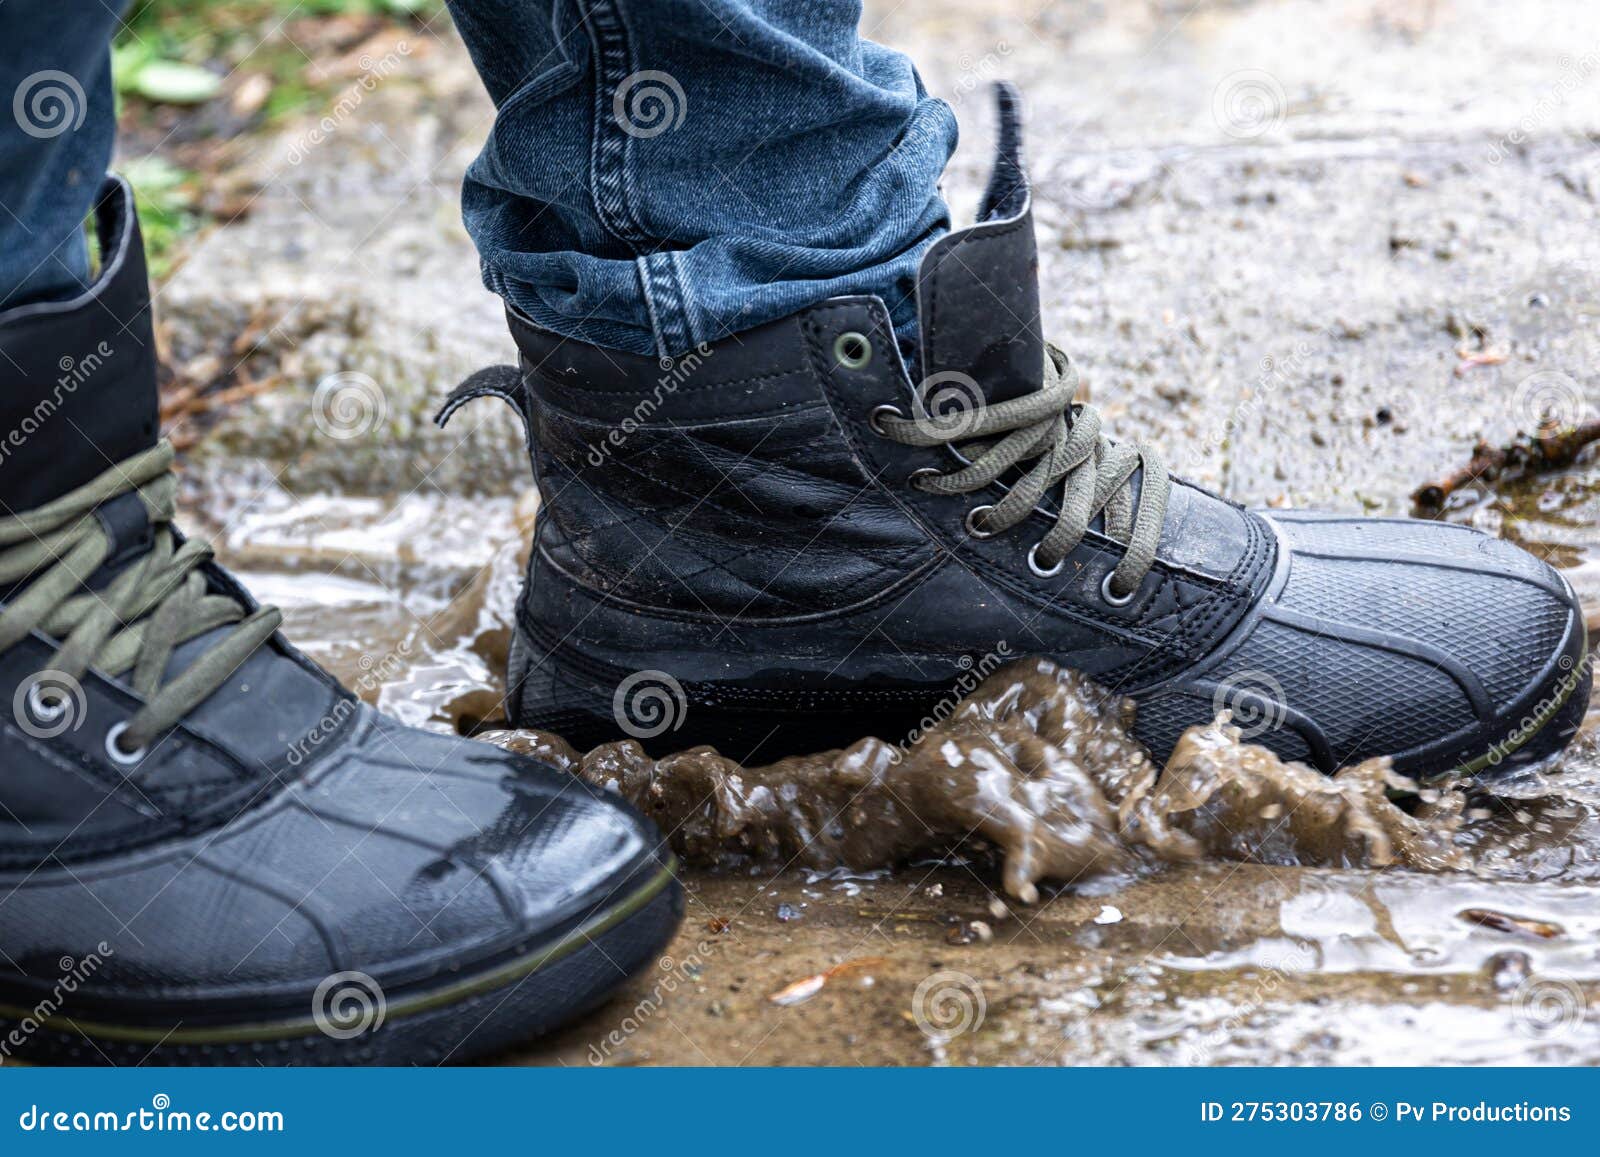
251	94
170	82
1485	357
800	990
806	988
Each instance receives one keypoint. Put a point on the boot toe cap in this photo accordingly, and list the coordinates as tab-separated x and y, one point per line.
1432	643
402	858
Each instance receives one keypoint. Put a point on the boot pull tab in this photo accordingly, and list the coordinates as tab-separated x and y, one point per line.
1008	191
503	382
978	287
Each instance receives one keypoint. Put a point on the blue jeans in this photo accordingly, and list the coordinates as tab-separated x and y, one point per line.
661	172
57	126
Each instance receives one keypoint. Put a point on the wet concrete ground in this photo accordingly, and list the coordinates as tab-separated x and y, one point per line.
1315	251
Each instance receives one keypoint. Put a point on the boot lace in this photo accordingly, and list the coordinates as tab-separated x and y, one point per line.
132	625
1064	443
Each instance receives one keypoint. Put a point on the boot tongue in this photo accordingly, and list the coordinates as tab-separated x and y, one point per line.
978	288
78	378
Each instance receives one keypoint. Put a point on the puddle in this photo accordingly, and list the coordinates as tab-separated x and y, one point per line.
1265	913
1329	313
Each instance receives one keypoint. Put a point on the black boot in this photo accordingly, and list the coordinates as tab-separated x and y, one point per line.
781	543
210	851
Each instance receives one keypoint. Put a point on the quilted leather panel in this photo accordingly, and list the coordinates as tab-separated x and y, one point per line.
757	517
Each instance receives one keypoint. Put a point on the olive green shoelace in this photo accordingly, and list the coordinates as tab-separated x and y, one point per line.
132	625
995	438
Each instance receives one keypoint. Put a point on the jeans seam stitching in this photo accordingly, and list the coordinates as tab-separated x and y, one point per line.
664	289
613	206
685	302
642	264
666	303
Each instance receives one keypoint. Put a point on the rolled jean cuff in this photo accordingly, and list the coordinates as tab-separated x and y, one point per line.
765	173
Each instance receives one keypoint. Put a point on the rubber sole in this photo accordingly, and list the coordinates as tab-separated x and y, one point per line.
578	698
575	697
1548	731
473	1016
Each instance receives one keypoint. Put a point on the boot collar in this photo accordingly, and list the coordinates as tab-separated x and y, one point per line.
78	377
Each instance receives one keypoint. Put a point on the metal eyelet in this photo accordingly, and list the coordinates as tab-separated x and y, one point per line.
1112	599
1039	571
115	749
852	350
47	710
880	412
922	472
974	516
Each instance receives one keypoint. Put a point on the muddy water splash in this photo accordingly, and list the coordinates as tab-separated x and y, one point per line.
1036	766
1036	769
410	602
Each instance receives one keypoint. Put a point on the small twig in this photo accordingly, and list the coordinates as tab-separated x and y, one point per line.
1529	453
178	401
238	393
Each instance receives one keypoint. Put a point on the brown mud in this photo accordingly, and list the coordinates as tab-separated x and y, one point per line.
1036	765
